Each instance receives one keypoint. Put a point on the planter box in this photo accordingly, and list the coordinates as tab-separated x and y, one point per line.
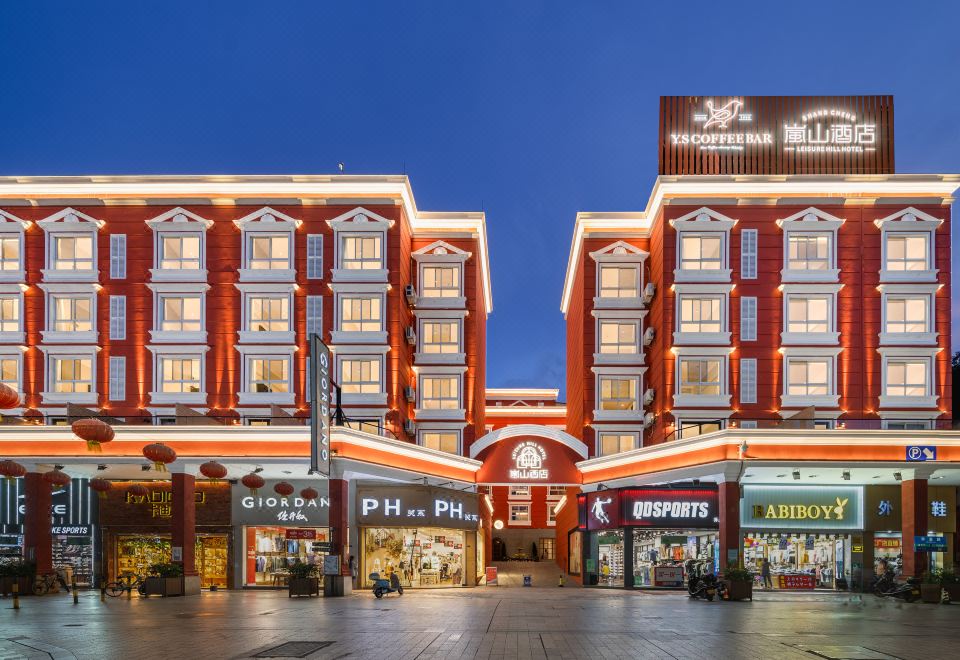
303	587
163	586
953	590
25	585
739	590
930	593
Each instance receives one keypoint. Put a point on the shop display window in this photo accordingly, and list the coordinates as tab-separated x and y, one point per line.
136	554
423	557
660	556
800	561
887	552
272	550
610	556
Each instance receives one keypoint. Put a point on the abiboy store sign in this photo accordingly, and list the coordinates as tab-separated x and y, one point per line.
802	507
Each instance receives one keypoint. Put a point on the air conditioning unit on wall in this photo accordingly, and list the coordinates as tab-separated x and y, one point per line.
410	334
648	420
648	335
409	394
409	427
648	396
411	293
649	292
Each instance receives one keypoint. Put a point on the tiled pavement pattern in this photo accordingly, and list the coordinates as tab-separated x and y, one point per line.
478	623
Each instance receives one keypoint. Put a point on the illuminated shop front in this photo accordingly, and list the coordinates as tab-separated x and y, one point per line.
645	536
136	531
812	536
274	532
427	536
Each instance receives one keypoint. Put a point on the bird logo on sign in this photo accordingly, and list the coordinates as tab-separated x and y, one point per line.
723	115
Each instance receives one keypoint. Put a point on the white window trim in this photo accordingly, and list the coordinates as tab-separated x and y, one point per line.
636	373
111	382
15	353
338	336
422	358
52	291
52	353
459	413
802	354
635	317
13	227
755	233
702	400
519	523
179	289
69	221
610	430
157	397
829	338
351	223
703	221
266	221
245	397
117	240
899	291
14	291
179	222
754	322
455	429
811	221
441	253
120	324
263	290
695	417
319	237
756	376
520	499
910	221
720	291
362	353
927	355
622	254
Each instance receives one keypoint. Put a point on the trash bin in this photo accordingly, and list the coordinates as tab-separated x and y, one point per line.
528	580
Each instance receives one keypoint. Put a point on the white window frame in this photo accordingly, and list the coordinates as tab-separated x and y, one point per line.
280	291
458	412
454	347
806	354
619	254
266	222
719	292
909	221
360	290
518	492
631	373
441	431
681	400
703	222
13	228
517	509
811	222
748	318
161	291
633	435
51	355
748	380
160	352
440	400
692	424
314	316
248	353
117	378
927	356
69	222
118	317
50	335
359	222
829	292
118	256
441	254
621	348
14	353
179	222
314	256
749	254
15	335
376	353
899	292
634	317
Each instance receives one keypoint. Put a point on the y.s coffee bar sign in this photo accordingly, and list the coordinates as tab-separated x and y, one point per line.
790	508
268	508
423	506
776	135
670	508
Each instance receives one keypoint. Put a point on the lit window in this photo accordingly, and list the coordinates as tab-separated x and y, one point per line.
180	375
180	314
441	441
361	253
808	251
439	393
619	282
618	393
269	375
701	252
693	428
360	315
907	252
551	513
360	376
907	314
808	377
72	314
614	443
808	314
10	372
9	314
270	252
441	282
700	376
519	513
269	315
72	375
519	491
618	337
700	314
73	253
10	253
441	337
906	378
556	491
180	253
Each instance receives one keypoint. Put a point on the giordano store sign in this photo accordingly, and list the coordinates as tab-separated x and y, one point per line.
802	507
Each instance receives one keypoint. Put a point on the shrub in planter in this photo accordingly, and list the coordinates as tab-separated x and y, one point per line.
19	572
931	587
164	580
951	584
739	582
303	580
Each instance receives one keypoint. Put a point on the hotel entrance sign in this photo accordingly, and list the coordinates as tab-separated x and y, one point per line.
776	135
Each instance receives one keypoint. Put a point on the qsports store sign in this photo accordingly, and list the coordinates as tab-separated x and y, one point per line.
793	508
664	508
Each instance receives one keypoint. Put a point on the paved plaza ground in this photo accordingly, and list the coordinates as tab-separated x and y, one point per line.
487	622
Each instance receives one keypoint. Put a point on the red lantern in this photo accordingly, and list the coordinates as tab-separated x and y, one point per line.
101	487
9	397
309	494
139	491
11	470
94	431
283	489
213	471
160	454
56	479
253	481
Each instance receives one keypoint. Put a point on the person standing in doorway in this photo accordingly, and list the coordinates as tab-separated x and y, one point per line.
765	573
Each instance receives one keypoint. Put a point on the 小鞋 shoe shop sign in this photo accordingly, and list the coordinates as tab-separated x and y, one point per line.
269	508
791	508
424	506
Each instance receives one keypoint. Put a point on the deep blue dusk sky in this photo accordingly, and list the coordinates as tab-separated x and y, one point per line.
528	110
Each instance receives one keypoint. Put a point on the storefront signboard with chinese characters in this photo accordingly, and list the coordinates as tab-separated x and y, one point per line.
798	581
930	543
416	506
529	460
122	508
792	508
665	508
737	135
667	576
267	508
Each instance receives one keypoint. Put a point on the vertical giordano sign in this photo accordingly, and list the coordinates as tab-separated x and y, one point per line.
797	508
320	407
776	135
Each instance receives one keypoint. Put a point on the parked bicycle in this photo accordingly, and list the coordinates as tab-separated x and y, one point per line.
50	583
126	582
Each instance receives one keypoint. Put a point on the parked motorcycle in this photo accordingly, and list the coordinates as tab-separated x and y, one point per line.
886	586
701	582
381	586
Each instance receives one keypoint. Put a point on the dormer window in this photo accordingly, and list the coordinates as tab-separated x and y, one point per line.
908	238
619	282
440	282
810	246
440	272
361	252
360	246
267	252
179	253
619	276
71	247
703	238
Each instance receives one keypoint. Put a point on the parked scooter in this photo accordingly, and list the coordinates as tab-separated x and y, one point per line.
701	582
381	586
887	586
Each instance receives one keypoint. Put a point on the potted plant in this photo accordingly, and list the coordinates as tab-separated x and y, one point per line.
164	580
303	580
951	584
931	587
739	583
19	572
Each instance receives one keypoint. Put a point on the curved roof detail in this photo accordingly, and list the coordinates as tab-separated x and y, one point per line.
515	430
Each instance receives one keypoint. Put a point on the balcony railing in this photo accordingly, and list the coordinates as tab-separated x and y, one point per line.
902	425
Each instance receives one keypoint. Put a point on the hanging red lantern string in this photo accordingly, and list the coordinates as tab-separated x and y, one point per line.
213	471
160	454
9	397
283	489
10	470
139	491
56	479
254	482
94	431
309	493
101	487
